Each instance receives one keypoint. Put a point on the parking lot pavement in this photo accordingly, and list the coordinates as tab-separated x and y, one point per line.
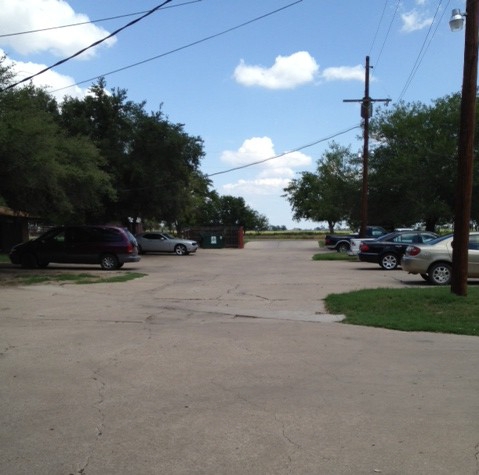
188	371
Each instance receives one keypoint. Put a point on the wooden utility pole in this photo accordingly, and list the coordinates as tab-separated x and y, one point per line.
463	195
366	113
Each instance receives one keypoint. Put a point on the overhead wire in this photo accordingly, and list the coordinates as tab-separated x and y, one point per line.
180	48
358	126
424	48
388	32
96	43
100	20
378	28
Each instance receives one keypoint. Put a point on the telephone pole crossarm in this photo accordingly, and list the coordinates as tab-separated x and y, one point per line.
366	113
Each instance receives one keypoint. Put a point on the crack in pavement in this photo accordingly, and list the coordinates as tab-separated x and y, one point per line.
101	385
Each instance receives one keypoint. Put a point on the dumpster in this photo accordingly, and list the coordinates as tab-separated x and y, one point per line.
212	241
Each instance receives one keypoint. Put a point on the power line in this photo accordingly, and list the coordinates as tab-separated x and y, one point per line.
285	153
377	29
261	161
424	48
39	30
180	48
389	31
96	43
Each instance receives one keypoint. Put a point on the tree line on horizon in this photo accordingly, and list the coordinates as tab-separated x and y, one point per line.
104	158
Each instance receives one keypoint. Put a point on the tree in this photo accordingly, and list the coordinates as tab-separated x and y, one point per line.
162	168
154	164
42	171
229	210
329	194
412	170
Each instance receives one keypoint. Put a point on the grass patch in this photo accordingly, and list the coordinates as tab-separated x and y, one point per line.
430	310
4	258
33	279
334	256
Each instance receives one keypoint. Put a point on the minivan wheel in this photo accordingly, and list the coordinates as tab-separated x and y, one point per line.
29	261
440	273
180	250
109	262
389	261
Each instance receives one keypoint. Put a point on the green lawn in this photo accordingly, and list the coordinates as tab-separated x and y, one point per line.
31	277
334	256
431	309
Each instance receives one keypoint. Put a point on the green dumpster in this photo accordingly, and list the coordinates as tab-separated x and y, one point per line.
212	241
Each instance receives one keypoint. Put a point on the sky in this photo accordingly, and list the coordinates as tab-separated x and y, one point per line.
263	83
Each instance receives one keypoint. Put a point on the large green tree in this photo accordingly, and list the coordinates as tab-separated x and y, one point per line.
43	171
154	164
329	194
413	169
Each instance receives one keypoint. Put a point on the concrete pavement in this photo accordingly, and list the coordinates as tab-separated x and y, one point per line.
226	362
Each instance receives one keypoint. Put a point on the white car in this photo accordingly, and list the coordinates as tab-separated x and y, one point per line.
162	242
354	244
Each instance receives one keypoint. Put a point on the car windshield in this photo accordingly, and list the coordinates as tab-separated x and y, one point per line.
387	237
439	239
48	234
168	236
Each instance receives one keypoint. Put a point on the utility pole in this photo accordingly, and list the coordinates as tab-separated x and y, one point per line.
465	154
366	113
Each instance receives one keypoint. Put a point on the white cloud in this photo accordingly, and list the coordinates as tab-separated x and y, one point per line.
50	80
344	73
272	176
414	21
256	187
287	72
26	15
292	71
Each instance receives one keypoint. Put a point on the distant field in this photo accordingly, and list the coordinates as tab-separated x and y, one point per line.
250	235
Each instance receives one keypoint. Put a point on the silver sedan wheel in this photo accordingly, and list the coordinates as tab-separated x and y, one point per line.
440	274
181	250
389	261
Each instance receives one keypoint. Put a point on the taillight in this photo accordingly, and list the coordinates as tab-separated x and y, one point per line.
413	250
130	248
363	247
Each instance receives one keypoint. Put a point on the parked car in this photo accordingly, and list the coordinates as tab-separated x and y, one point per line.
109	246
162	242
433	261
354	243
341	242
387	251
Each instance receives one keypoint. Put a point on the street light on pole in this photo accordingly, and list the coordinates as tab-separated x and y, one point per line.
463	194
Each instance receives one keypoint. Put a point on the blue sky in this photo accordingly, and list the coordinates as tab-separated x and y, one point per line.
255	79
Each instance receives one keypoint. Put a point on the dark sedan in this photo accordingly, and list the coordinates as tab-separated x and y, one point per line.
387	251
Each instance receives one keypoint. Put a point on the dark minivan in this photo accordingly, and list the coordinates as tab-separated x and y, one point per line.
109	246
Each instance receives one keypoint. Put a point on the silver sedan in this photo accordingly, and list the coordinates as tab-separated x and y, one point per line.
162	242
433	261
